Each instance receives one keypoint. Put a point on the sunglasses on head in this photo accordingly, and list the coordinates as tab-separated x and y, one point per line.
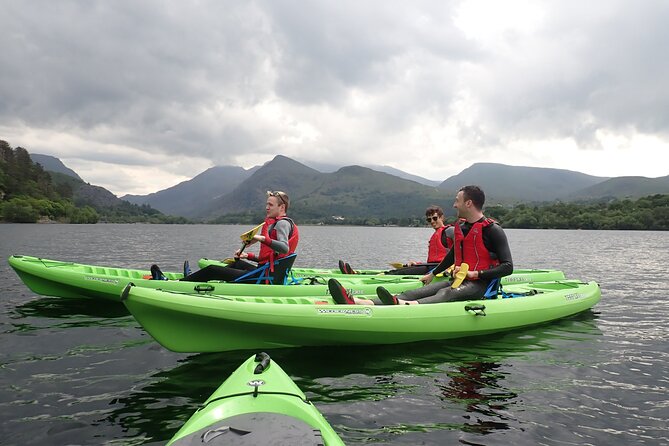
278	194
433	218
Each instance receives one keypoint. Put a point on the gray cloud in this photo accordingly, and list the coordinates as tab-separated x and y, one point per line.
343	81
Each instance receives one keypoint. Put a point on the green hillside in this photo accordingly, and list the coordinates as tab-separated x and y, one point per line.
516	184
29	194
281	173
356	192
352	195
624	187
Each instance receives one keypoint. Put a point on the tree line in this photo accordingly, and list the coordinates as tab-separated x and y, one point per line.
646	213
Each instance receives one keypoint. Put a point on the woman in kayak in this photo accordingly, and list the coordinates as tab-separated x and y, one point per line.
437	247
279	238
479	242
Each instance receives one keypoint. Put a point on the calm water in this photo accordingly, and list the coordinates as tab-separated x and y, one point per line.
84	373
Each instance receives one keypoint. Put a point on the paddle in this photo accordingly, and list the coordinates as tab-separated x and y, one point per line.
397	265
247	237
446	271
460	275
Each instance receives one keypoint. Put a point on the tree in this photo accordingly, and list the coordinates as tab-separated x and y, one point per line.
19	210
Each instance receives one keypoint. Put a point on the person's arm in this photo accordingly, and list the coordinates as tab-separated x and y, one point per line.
280	244
445	263
441	267
448	233
496	242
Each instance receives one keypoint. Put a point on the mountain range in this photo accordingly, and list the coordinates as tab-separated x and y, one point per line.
380	192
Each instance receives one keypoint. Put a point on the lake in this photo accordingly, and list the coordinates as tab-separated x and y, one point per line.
80	372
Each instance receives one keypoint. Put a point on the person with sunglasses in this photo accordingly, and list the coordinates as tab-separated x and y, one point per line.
479	242
278	238
437	247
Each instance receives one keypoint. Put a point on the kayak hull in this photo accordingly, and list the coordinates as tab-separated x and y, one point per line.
270	391
193	324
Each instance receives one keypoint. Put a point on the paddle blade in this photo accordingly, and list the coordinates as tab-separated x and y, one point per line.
460	275
248	235
447	272
396	265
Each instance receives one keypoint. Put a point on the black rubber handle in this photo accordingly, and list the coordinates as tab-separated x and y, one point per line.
263	361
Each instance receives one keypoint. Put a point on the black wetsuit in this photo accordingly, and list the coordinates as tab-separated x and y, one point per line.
496	243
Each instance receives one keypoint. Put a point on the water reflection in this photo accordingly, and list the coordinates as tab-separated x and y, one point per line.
59	308
353	387
476	386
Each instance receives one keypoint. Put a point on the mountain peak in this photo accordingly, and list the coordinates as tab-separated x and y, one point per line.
53	164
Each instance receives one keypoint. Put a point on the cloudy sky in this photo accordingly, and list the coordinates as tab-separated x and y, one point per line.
137	96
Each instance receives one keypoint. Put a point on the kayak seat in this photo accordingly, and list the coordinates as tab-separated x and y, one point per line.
493	289
264	274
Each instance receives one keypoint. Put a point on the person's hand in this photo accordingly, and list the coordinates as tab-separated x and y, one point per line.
241	255
412	263
257	238
427	278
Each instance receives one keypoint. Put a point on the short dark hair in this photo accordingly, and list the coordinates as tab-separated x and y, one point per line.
475	194
433	209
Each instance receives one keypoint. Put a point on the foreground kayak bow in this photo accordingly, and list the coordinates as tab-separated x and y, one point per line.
258	404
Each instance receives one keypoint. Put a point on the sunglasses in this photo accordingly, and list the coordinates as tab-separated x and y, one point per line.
433	218
278	194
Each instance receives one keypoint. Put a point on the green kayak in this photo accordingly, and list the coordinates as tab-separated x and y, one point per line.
518	276
193	323
258	404
75	280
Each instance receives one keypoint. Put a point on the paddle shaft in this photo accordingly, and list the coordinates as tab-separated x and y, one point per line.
244	245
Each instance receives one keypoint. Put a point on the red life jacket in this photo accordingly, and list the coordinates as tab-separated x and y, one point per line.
436	251
266	253
470	248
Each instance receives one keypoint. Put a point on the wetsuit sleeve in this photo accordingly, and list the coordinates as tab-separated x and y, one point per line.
280	244
445	263
495	240
448	233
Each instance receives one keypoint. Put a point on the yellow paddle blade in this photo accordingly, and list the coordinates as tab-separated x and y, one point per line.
248	235
396	265
447	271
460	275
228	260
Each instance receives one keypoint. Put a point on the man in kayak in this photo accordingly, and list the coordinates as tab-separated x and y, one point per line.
278	238
437	247
479	242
